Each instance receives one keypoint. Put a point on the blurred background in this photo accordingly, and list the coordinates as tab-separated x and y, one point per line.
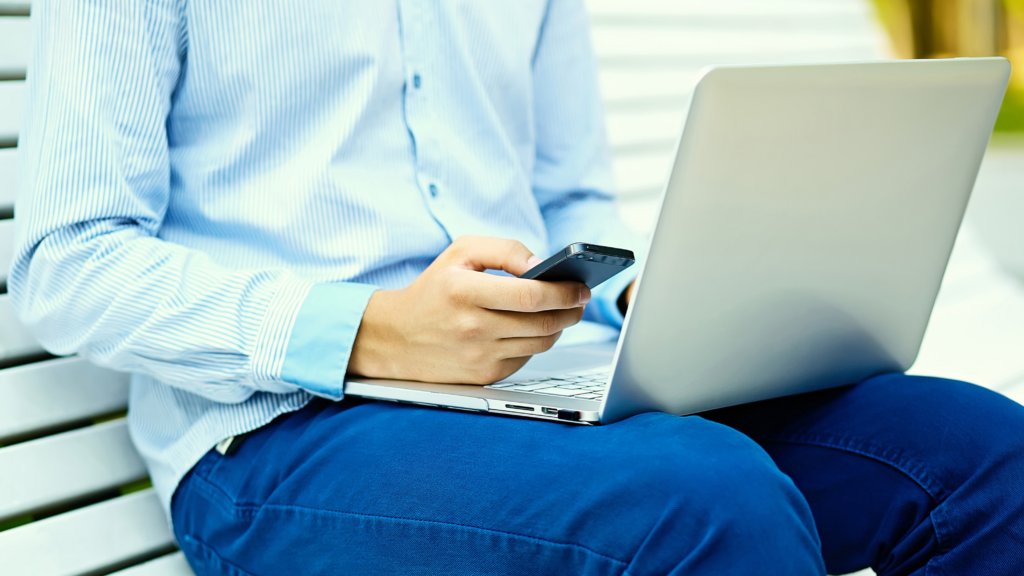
650	52
951	28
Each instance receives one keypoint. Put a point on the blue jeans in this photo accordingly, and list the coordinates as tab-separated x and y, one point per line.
906	475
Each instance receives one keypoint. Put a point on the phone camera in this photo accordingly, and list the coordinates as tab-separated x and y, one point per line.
578	256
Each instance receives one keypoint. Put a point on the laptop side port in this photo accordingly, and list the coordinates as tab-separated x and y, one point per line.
515	407
550	411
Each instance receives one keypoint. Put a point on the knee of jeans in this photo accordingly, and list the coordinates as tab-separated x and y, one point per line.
736	483
724	502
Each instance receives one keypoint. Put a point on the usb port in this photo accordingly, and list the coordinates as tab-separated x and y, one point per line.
550	411
527	408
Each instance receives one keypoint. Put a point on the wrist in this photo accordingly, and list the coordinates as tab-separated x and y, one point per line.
372	354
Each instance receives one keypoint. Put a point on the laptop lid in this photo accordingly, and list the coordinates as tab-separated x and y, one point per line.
804	230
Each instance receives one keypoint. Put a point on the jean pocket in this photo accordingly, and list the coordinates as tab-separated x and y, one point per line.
205	561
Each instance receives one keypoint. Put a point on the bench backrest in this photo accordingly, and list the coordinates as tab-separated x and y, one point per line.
651	51
74	497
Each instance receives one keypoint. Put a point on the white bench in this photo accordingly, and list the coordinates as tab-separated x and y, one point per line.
74	496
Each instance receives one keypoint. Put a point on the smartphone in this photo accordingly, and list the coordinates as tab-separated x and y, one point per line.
581	262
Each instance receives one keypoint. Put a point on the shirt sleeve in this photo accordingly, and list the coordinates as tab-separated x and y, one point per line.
91	275
573	180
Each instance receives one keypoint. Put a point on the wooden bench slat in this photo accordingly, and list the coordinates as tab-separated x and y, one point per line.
16	342
651	41
795	8
47	395
8	177
641	128
91	540
15	45
14	6
12	104
170	565
642	173
6	247
629	61
638	213
626	85
60	469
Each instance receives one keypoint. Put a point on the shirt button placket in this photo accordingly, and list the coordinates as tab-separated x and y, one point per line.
415	19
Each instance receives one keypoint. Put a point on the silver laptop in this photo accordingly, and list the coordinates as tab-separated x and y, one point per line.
801	241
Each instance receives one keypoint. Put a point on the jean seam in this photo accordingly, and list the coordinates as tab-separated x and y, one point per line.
650	533
938	517
207	549
249	511
912	468
232	507
437	522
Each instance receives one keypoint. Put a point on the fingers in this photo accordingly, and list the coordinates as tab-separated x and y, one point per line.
510	355
508	367
518	295
529	325
483	253
526	347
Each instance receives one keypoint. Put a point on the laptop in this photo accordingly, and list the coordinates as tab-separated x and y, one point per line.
802	236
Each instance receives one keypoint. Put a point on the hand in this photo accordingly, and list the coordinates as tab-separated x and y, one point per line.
626	297
456	324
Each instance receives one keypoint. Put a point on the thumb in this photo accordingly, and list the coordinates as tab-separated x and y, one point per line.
483	253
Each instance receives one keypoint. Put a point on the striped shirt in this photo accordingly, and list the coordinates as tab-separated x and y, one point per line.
210	192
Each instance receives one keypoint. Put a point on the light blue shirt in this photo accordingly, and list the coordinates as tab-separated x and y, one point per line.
210	192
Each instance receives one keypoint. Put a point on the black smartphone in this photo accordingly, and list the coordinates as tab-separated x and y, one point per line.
581	262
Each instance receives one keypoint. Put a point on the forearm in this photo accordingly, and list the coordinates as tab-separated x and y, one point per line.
132	302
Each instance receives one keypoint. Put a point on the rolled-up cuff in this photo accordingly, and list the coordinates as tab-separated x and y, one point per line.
322	336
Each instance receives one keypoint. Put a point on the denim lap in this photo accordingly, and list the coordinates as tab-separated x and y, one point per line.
374	488
907	475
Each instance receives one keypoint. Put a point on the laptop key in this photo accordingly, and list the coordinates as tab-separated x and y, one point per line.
587	396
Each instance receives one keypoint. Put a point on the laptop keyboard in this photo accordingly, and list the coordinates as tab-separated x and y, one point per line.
587	385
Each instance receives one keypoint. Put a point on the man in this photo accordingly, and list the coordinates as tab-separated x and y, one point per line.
239	203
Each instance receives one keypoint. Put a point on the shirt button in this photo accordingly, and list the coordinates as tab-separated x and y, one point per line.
416	81
433	190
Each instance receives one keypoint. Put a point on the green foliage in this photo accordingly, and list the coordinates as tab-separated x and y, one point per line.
1014	6
1011	116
